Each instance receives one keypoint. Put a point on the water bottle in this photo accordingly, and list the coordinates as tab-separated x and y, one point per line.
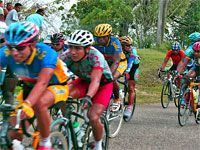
197	96
17	145
78	132
121	94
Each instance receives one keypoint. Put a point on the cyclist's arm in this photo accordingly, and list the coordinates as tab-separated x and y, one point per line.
95	82
41	85
182	64
130	64
116	61
164	63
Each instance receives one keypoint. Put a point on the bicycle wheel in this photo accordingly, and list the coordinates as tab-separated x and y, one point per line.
184	107
89	142
127	119
62	126
166	94
114	118
58	141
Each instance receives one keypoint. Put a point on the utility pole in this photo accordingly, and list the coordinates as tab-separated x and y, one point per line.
161	21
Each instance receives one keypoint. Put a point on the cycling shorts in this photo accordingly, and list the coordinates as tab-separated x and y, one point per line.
122	67
60	92
173	67
101	97
134	72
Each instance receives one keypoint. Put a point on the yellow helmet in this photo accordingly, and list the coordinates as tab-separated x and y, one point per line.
102	30
125	40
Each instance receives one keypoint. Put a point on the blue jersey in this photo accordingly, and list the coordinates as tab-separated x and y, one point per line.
42	57
113	47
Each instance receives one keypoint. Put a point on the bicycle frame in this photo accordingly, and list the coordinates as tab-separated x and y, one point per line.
5	139
191	99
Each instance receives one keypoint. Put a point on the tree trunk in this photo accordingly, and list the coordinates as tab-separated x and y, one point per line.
161	21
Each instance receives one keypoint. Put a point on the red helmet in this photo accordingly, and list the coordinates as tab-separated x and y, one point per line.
196	46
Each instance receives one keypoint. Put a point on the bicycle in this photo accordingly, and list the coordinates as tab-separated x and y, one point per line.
74	113
125	94
169	90
57	139
187	104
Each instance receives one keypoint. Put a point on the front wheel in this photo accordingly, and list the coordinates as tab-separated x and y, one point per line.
166	94
184	107
127	119
58	141
115	118
89	142
61	125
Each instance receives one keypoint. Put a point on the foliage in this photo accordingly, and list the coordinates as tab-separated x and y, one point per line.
87	14
188	23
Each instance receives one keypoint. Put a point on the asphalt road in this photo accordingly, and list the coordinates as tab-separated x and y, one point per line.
155	128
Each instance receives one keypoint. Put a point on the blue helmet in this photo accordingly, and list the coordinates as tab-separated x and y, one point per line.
21	33
176	46
194	37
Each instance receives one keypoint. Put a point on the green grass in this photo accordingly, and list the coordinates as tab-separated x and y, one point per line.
149	86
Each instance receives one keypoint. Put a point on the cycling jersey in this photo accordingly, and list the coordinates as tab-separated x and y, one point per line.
132	58
42	57
83	69
113	47
175	58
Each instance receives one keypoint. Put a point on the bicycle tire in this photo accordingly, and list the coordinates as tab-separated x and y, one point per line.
166	94
89	138
133	109
58	141
184	107
61	126
114	118
182	90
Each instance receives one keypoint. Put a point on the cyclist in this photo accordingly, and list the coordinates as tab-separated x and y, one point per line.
43	73
10	80
57	43
110	47
194	37
132	70
94	82
176	54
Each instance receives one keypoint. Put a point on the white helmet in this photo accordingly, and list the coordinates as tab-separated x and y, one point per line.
80	38
3	27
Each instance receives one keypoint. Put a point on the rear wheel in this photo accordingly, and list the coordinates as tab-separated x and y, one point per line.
115	118
166	94
89	142
184	107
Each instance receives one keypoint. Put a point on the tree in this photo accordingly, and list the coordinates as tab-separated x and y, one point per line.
161	20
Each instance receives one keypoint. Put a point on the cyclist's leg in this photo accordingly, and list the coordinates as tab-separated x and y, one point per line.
116	75
100	102
52	95
131	89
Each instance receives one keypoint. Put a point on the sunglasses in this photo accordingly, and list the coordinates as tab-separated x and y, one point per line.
197	51
18	48
127	45
57	44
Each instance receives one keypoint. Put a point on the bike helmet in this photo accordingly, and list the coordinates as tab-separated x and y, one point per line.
102	30
194	36
125	40
81	38
20	33
57	37
3	27
176	46
196	46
